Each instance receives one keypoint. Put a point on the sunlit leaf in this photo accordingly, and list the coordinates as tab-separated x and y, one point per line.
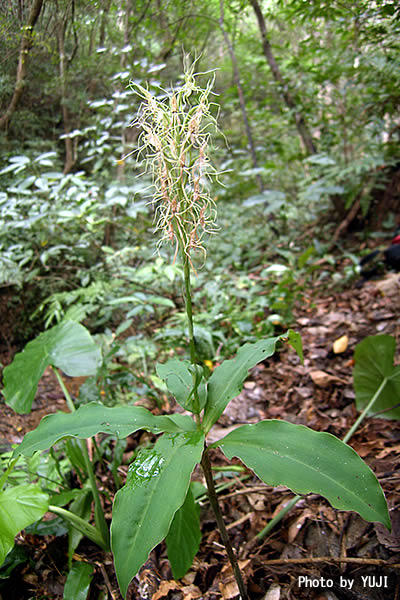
19	507
67	346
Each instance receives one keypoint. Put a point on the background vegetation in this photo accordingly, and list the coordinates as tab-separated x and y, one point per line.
308	95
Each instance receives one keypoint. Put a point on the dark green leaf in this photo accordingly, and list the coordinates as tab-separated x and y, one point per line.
55	527
81	506
155	488
308	461
15	557
94	418
184	536
182	381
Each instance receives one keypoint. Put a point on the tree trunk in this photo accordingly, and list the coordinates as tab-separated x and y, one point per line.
103	22
236	76
169	38
290	101
26	44
69	150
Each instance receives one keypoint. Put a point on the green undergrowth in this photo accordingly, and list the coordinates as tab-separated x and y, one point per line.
88	253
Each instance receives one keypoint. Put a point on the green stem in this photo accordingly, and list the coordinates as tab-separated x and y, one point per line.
189	313
61	475
98	509
81	525
346	438
68	398
188	306
212	494
365	411
278	517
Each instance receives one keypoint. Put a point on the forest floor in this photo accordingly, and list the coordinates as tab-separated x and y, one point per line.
314	552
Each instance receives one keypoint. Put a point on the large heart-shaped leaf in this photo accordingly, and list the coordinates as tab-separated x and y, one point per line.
308	461
156	486
68	346
374	367
226	382
184	536
94	418
19	507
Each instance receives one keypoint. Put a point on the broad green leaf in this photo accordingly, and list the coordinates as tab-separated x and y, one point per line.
20	160
304	257
155	488
94	418
181	379
184	536
267	197
19	507
67	346
226	382
44	158
308	461
374	365
78	581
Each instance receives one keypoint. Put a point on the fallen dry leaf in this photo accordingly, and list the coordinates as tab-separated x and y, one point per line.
390	285
390	540
164	589
227	585
323	379
295	527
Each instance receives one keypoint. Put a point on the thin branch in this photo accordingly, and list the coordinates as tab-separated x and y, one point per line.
333	559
